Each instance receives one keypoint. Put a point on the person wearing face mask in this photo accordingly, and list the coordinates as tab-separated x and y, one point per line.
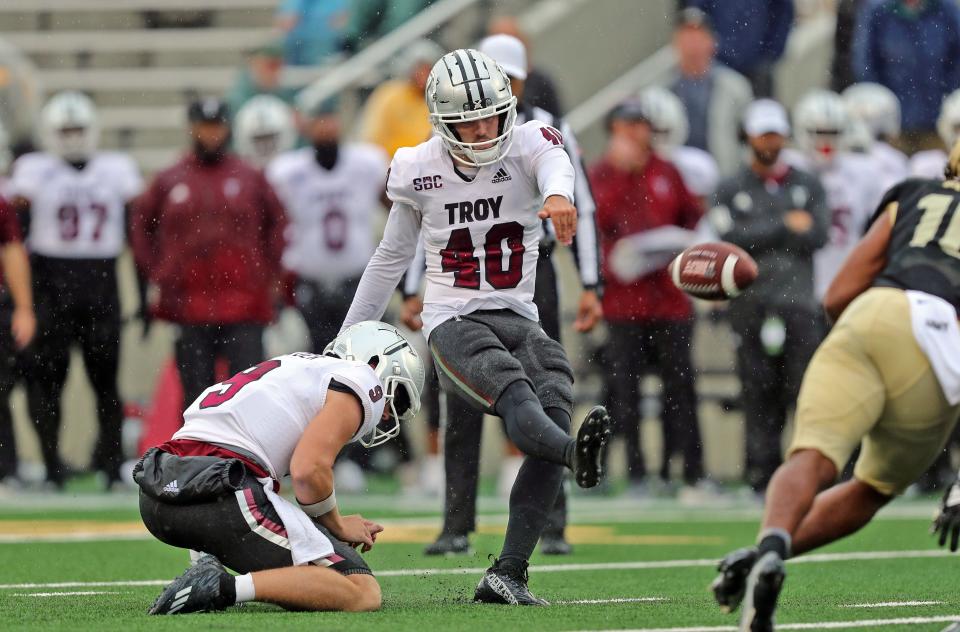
75	198
208	234
779	215
332	192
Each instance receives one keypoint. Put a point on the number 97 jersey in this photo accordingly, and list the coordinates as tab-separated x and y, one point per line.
76	213
481	235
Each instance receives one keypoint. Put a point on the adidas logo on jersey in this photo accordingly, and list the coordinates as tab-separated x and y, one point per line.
171	488
501	176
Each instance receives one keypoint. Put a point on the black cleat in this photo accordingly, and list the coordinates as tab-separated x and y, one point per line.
198	589
592	438
730	584
554	544
763	587
449	544
503	584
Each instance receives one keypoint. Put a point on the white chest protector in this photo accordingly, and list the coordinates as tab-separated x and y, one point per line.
481	236
332	213
76	213
266	408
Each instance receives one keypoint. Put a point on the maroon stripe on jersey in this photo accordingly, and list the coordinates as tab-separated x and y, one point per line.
261	519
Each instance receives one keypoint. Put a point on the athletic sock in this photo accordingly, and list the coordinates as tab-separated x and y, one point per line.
243	588
776	540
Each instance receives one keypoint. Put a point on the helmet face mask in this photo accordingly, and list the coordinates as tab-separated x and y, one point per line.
69	126
399	368
466	85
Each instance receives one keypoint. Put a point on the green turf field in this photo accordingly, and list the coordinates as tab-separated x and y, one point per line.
81	562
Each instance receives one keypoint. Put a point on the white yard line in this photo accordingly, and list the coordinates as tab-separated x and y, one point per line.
551	568
66	594
892	604
825	625
591	602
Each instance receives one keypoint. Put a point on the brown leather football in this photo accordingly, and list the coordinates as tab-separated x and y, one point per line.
714	271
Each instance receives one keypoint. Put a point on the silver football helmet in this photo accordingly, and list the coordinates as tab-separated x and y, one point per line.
264	127
395	362
466	85
821	125
876	106
667	116
69	126
948	123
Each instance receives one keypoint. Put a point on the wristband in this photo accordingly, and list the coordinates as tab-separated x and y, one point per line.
320	508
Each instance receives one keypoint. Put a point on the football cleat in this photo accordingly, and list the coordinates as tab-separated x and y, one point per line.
554	544
198	589
763	587
729	586
503	584
592	439
449	544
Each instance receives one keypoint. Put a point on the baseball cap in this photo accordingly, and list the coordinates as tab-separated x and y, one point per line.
208	110
630	109
692	16
507	51
764	116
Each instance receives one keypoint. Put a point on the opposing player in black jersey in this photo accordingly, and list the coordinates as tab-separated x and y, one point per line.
886	378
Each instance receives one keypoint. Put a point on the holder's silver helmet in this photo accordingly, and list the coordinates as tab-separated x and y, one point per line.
264	127
466	85
398	366
69	127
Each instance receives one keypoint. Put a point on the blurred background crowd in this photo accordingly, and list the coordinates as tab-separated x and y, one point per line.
193	186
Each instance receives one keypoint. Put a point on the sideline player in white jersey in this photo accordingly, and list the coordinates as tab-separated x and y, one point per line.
821	130
930	163
332	192
213	488
875	109
477	192
263	128
77	198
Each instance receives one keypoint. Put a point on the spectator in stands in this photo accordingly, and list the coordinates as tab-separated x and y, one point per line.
911	46
841	66
372	19
751	36
396	113
649	319
779	215
540	90
17	327
261	75
312	29
208	234
713	95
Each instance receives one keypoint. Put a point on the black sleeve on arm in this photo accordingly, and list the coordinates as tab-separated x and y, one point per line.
340	387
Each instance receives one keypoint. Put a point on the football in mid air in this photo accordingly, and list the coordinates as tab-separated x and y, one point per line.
714	271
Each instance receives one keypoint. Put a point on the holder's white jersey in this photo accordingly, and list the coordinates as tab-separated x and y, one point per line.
76	213
332	213
266	408
928	163
852	189
480	235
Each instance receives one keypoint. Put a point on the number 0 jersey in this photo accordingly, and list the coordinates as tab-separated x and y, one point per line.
266	408
332	213
924	250
76	213
480	235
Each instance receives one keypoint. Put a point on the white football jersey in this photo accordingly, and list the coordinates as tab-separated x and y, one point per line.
481	236
76	213
699	170
332	214
266	408
929	163
852	190
892	167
